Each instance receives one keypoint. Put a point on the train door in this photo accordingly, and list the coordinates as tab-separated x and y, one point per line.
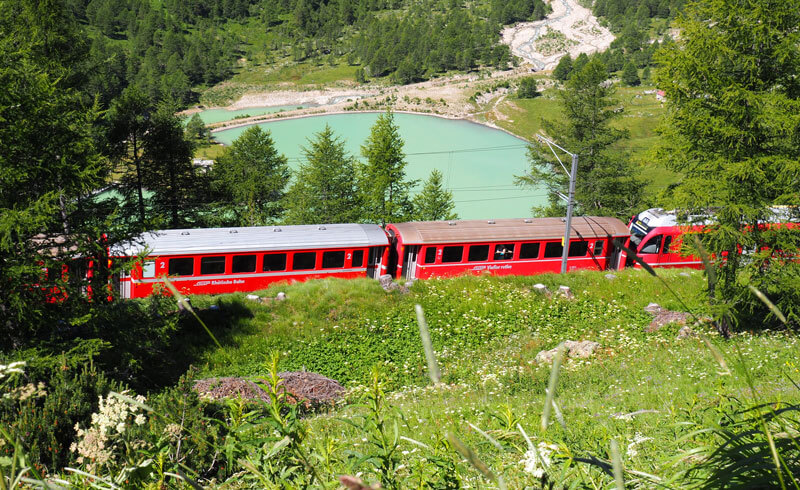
669	257
374	262
613	253
410	262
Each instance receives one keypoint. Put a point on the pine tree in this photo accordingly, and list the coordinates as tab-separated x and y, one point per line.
527	88
630	75
252	175
325	186
606	182
384	187
563	68
732	82
434	203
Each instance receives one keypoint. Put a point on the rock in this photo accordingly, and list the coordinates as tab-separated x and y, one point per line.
610	276
665	317
685	332
408	284
581	349
653	308
542	289
385	280
565	292
577	349
685	274
281	296
252	297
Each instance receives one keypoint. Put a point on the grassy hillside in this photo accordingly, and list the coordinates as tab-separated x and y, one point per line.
646	391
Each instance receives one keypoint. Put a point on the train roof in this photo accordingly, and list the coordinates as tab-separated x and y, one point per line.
253	239
466	231
657	217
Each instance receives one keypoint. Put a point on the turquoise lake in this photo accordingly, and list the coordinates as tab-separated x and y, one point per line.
478	163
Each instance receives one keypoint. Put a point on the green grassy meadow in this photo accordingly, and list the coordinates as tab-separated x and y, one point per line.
646	391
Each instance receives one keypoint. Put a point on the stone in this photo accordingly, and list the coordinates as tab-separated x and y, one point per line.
565	292
573	348
281	296
252	297
542	289
685	332
665	317
610	276
653	308
685	274
385	280
408	284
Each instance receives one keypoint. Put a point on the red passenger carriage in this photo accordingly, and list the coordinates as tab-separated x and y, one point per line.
225	260
420	250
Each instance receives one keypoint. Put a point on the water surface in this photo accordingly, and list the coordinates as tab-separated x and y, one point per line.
211	116
478	163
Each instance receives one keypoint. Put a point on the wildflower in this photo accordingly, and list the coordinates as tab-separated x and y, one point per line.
139	420
537	460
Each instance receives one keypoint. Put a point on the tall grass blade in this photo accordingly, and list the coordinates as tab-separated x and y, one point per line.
430	356
486	436
763	297
773	450
551	387
616	462
717	356
711	273
473	460
185	304
412	441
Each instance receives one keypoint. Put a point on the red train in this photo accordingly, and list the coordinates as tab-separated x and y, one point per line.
224	260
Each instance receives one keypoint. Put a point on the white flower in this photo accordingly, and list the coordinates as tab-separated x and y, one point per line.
139	420
537	460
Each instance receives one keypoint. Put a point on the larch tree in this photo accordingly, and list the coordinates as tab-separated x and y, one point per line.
252	176
732	129
434	202
606	182
325	188
384	187
168	172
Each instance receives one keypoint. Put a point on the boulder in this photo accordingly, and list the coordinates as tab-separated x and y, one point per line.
252	297
685	332
302	387
385	280
576	349
610	276
281	296
652	308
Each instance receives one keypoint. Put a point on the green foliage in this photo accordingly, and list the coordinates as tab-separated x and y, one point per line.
384	187
196	130
252	178
630	75
731	129
606	182
41	412
325	187
433	202
527	88
563	68
167	168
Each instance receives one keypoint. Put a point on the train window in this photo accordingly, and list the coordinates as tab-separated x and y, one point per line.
504	251
578	248
598	247
430	255
243	263
274	262
149	268
667	242
332	260
529	251
212	265
304	261
181	267
478	253
652	245
452	254
358	258
553	249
